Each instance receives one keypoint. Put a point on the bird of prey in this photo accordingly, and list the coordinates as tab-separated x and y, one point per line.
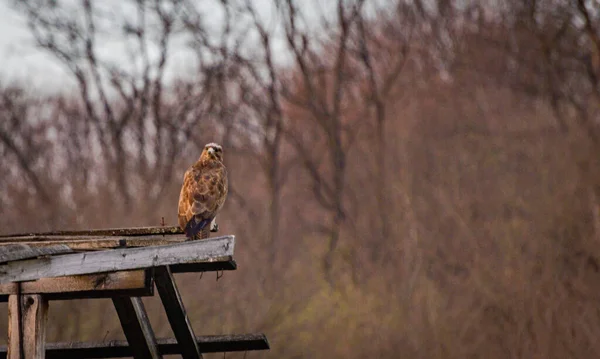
203	193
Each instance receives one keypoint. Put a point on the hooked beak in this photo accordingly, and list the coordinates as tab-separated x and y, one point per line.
211	151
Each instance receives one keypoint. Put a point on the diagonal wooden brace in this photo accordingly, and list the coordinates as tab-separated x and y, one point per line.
136	327
180	323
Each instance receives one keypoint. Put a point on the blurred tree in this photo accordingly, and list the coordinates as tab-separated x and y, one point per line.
138	127
437	157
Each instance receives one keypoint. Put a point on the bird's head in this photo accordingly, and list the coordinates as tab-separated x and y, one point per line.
212	152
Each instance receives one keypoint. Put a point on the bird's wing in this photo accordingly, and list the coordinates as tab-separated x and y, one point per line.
186	198
222	186
202	195
206	195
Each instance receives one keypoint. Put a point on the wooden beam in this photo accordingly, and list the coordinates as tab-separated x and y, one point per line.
135	283
136	327
220	264
93	243
104	285
180	323
118	259
168	346
15	331
19	251
35	317
135	231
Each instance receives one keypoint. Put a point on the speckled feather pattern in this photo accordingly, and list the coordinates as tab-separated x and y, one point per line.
204	189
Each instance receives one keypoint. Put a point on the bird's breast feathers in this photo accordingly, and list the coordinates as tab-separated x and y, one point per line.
204	190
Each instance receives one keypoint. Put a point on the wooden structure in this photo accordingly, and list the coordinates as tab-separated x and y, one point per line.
121	264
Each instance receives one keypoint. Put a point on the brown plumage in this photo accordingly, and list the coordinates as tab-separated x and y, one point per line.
203	193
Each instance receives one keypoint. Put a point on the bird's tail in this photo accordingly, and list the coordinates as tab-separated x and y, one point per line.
197	228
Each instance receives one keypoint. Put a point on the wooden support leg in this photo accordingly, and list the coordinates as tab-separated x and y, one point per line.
14	328
27	317
136	327
180	323
35	317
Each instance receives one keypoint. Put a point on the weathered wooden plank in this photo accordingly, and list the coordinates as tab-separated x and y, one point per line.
106	285
229	343
167	346
136	327
35	317
15	331
83	243
176	314
18	251
134	231
120	348
117	259
124	283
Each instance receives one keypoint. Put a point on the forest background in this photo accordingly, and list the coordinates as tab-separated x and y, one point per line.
409	178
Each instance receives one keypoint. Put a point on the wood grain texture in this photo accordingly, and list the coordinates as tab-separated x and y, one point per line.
166	346
14	328
118	259
19	251
134	231
35	317
91	243
81	286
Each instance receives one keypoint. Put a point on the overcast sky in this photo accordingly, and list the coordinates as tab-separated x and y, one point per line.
19	60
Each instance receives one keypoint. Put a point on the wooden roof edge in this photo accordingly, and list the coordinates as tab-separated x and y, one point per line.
30	246
133	231
209	250
94	243
17	251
